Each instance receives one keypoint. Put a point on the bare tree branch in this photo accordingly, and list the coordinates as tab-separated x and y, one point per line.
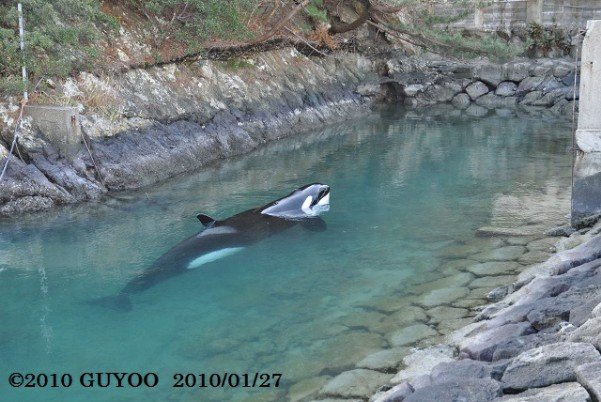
337	26
283	21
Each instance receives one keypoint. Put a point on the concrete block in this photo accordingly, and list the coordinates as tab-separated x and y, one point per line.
586	199
59	125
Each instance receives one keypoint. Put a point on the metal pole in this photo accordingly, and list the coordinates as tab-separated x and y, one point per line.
22	38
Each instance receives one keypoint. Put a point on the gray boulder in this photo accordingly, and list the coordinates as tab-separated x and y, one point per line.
589	375
589	332
517	71
569	79
547	365
491	74
499	293
481	346
571	391
530	84
549	84
454	86
562	69
531	98
441	94
370	88
542	70
397	393
464	390
413	89
476	90
459	370
506	88
421	362
514	346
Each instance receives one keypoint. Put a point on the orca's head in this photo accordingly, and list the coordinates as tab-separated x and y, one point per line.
304	202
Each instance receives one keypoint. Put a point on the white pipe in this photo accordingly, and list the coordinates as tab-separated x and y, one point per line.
22	38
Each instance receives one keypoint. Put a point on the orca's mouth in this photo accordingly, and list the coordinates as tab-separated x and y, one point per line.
324	192
323	197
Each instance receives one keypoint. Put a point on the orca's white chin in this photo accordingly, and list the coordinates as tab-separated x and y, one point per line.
325	200
319	209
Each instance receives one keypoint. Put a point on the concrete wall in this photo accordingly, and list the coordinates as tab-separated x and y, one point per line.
586	191
507	14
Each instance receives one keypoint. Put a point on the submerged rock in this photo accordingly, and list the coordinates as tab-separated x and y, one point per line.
358	383
491	281
546	244
449	281
476	111
306	387
493	268
442	313
384	360
487	231
412	334
442	296
507	253
533	257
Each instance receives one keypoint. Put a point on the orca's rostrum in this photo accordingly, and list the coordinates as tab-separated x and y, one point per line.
221	238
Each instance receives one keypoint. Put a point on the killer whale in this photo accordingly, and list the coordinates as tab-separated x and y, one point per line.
221	238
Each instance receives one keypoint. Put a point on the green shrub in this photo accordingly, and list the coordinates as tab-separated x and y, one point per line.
193	21
61	37
316	11
64	36
547	38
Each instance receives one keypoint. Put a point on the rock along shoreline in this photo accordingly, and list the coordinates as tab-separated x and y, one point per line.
149	124
541	342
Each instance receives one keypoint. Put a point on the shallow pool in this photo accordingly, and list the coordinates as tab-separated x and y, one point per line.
406	186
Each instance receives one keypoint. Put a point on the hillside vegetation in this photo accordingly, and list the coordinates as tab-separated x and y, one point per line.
67	36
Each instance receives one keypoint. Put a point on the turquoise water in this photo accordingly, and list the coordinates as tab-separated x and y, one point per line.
405	187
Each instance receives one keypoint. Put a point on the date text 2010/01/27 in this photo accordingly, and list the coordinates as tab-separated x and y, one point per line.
230	380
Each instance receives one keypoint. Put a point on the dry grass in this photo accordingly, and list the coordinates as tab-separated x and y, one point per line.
321	35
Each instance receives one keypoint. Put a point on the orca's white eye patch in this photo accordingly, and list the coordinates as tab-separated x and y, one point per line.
306	207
